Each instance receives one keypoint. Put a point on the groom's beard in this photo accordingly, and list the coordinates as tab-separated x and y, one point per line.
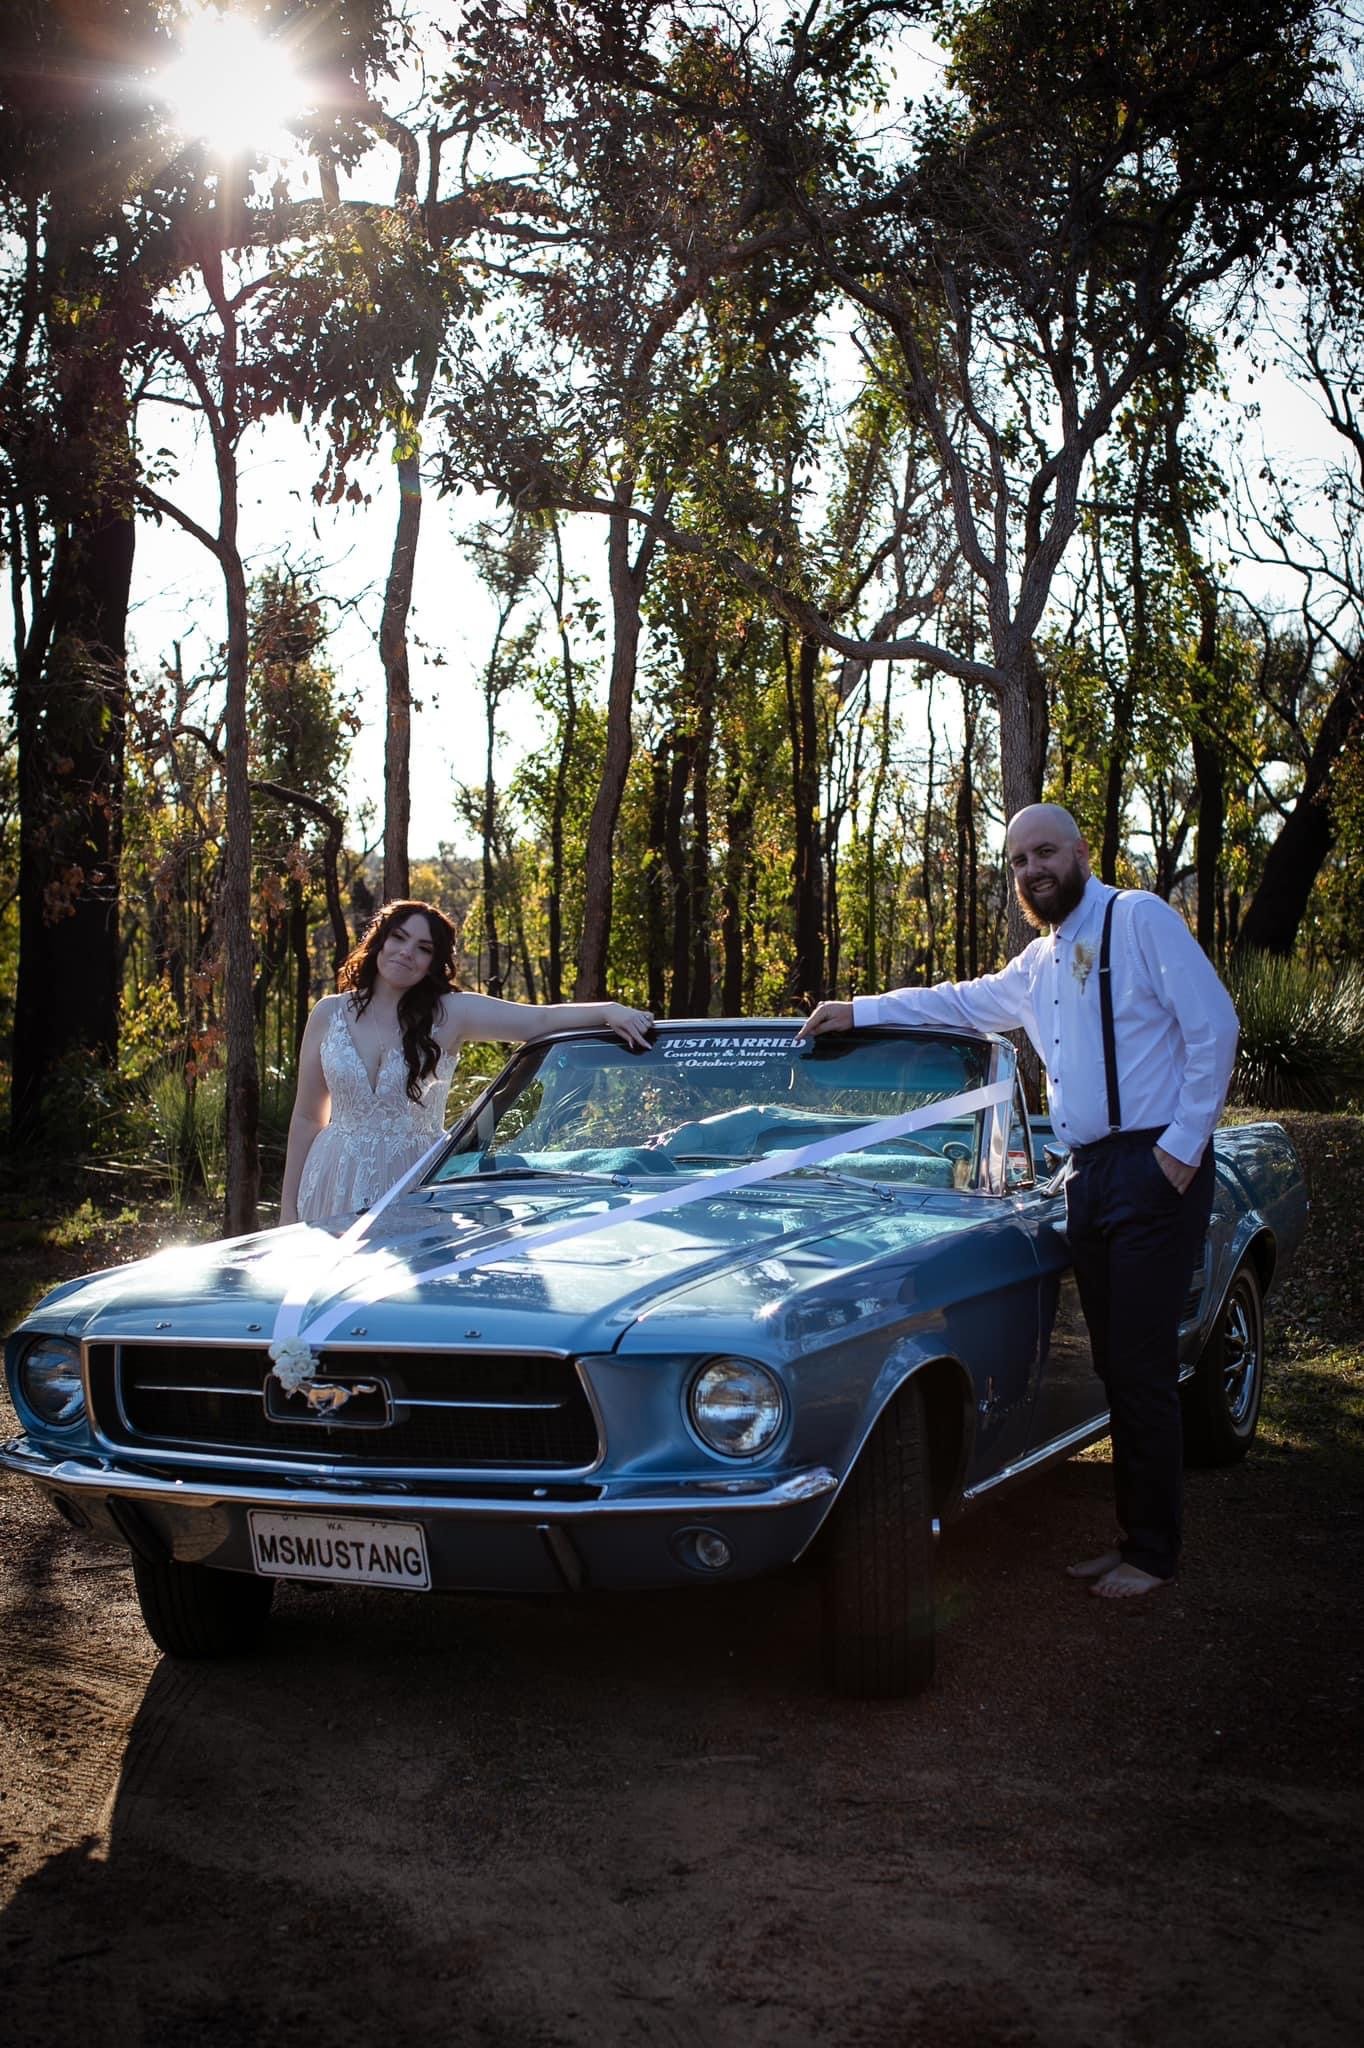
1054	905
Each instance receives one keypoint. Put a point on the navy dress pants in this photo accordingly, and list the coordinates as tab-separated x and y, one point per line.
1135	1239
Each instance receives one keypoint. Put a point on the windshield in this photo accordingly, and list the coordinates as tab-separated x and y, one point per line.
698	1102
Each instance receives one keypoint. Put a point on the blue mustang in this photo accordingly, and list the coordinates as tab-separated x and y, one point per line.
645	1319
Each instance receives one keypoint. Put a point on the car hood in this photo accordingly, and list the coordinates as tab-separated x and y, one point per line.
735	1253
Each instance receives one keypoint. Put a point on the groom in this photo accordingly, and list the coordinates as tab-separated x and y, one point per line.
1135	1085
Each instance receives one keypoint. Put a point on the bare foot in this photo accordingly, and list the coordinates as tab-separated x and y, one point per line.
1126	1582
1096	1567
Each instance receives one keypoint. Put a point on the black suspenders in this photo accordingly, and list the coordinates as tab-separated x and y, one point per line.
1106	1016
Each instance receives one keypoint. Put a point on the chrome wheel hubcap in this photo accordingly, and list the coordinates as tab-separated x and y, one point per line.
1240	1355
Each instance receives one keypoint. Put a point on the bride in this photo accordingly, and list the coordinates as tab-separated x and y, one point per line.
377	1060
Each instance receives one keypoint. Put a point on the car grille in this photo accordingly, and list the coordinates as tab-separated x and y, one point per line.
444	1409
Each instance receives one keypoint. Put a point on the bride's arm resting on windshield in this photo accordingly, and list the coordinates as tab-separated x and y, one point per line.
467	1015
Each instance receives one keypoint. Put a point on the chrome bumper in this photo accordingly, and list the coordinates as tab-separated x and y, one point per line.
625	1535
90	1473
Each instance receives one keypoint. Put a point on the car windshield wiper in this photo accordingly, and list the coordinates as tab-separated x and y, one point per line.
482	1174
842	1180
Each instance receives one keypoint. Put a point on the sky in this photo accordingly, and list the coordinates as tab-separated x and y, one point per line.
177	593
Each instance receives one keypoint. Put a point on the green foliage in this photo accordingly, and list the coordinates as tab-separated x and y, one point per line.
188	1119
535	789
89	1113
1302	1035
641	311
302	721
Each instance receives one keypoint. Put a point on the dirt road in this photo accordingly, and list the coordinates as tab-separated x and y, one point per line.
643	1821
1110	1825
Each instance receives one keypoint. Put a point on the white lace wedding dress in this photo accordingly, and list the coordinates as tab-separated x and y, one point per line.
375	1133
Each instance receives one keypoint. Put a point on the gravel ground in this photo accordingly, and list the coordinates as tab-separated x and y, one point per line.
642	1820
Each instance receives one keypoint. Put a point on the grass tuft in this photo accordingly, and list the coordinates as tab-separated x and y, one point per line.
1302	1035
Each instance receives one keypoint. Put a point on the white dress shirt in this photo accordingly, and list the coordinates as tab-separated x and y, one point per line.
1174	1025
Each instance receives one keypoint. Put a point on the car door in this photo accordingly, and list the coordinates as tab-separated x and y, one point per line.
1068	1398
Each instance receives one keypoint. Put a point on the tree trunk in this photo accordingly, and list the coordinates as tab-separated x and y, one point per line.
303	967
870	926
489	829
656	928
627	587
967	880
393	651
930	950
806	872
679	771
701	974
243	1075
1208	753
243	1079
1022	702
1294	861
70	705
568	731
738	838
1211	773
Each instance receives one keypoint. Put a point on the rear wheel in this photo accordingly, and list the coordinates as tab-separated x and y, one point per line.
1222	1400
878	1575
191	1610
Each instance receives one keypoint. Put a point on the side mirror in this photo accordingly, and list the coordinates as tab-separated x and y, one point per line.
1057	1159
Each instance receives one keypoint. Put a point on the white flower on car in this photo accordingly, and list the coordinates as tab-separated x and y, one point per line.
294	1363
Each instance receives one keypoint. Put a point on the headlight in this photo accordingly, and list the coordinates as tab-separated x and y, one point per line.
49	1381
736	1406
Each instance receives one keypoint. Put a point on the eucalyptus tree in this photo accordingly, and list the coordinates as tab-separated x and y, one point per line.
77	265
1152	671
113	208
1308	519
624	369
378	306
1033	243
302	723
508	562
1041	246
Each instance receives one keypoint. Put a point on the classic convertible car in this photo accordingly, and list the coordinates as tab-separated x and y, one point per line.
643	1318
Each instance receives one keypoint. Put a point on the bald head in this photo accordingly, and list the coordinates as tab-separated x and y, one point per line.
1051	819
1049	861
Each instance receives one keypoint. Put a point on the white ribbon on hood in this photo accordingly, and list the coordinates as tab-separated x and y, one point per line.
395	1276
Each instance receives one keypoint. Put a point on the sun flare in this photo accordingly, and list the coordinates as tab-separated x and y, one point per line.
230	85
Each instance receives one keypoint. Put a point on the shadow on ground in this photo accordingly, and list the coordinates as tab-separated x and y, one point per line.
641	1819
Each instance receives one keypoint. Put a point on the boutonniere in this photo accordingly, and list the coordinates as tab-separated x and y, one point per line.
1082	962
294	1363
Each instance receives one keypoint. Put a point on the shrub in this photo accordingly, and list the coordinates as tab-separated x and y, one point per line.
189	1121
1302	1034
86	1112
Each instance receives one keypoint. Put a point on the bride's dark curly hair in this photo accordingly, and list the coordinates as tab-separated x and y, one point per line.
417	1005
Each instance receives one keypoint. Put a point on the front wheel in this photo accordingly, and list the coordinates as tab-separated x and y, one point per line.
191	1610
878	1573
1221	1401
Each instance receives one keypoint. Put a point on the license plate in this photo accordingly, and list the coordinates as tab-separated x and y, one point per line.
344	1549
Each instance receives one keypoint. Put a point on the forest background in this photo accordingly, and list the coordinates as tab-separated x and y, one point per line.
849	414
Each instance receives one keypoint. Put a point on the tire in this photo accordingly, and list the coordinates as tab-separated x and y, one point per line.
878	1570
1222	1400
191	1610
